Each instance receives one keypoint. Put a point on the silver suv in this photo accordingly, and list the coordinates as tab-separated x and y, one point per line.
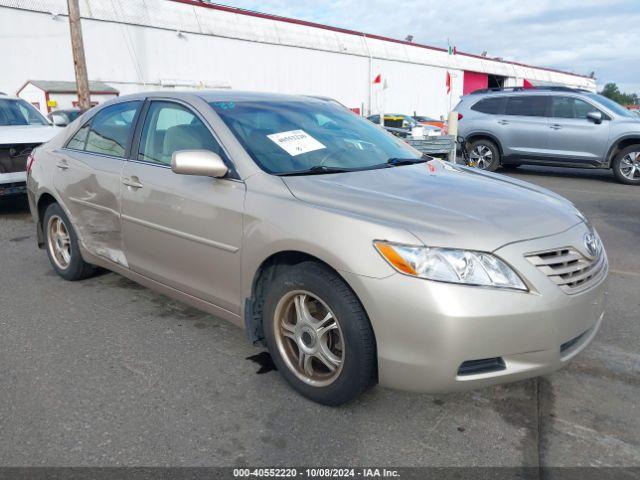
550	126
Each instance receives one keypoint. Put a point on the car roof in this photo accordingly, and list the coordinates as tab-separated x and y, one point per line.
224	96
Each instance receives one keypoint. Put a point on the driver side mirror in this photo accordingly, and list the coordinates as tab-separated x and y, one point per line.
198	162
595	117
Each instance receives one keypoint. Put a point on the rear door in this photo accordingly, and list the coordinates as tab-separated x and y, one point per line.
572	136
183	231
87	177
524	126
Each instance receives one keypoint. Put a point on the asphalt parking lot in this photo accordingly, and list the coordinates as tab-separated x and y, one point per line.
105	372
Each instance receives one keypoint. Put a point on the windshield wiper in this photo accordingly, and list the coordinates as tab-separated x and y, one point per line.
395	162
315	170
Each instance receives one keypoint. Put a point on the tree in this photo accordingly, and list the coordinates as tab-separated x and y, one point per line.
612	91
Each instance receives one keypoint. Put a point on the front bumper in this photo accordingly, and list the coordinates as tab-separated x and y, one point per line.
426	330
13	183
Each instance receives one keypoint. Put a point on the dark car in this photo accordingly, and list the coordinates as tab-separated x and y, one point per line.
62	118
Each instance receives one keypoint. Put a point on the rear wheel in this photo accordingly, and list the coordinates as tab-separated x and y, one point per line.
62	245
484	154
626	165
319	335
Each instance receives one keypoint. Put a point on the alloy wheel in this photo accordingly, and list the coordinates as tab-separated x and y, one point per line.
59	242
481	157
630	166
309	338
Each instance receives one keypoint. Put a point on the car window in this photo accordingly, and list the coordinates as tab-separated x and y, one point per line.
610	104
170	127
375	118
294	136
529	106
111	128
79	140
569	107
19	112
492	105
582	108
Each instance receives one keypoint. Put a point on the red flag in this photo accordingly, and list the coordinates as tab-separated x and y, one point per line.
378	79
448	83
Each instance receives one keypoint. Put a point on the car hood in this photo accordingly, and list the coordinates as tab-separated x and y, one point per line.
443	205
27	133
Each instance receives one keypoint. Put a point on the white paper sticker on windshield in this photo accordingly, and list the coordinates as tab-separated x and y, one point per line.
296	142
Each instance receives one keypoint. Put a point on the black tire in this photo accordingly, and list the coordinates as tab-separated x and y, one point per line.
481	145
358	366
75	268
618	165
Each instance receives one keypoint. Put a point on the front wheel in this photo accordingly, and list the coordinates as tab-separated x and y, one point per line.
626	165
484	154
319	335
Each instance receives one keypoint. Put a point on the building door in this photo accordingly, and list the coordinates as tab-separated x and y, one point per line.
474	81
495	81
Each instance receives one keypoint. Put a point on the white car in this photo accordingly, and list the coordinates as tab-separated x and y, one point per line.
22	128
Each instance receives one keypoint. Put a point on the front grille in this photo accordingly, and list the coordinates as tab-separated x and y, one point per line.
484	365
569	269
14	188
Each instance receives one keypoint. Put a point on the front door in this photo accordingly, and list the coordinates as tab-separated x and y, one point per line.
181	230
87	176
573	137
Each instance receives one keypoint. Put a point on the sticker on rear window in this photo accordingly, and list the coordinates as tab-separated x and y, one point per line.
296	142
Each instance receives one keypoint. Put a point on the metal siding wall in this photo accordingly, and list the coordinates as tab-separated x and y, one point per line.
135	46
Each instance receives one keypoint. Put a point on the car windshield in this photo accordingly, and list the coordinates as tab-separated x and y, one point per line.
285	137
19	112
610	104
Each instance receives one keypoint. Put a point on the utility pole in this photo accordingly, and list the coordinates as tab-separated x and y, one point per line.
79	62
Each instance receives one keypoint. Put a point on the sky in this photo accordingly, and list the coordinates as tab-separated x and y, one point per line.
581	36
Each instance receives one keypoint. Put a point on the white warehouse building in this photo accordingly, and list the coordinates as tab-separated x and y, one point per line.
138	45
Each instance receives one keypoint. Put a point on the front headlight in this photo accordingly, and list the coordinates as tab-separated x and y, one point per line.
450	265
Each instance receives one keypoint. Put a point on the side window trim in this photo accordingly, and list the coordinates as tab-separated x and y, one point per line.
85	124
84	145
137	136
89	123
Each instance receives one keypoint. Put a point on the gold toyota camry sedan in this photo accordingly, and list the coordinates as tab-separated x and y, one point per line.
352	257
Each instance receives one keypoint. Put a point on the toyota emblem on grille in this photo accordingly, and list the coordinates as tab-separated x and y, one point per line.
592	244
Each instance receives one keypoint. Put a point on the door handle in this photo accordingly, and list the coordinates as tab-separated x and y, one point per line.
62	165
556	126
503	122
133	182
